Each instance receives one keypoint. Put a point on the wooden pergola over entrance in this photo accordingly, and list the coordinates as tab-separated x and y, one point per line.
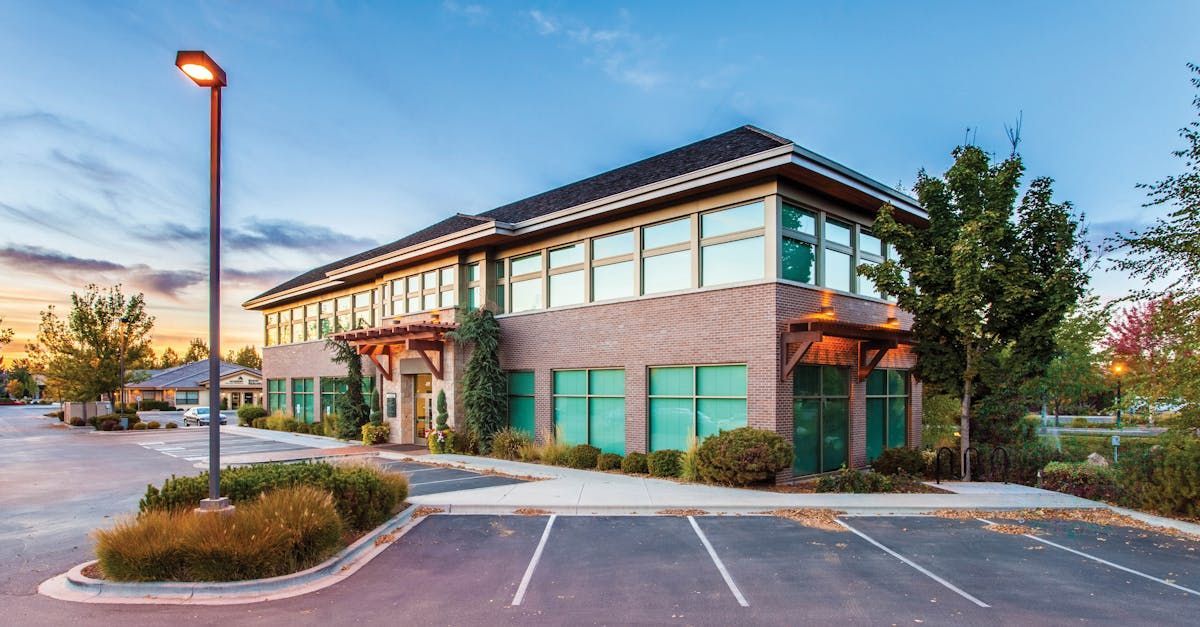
427	339
874	342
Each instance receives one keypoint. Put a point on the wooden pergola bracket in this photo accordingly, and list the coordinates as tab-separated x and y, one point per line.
373	351
423	348
881	348
805	339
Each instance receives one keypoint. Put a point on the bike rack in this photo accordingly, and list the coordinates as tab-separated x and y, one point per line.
937	463
966	458
997	450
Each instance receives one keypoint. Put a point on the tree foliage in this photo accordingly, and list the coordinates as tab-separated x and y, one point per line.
1169	250
197	351
169	359
1076	374
245	356
485	401
353	411
988	282
80	355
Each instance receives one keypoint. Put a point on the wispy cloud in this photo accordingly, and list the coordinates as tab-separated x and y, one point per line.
36	257
623	54
474	13
261	234
69	268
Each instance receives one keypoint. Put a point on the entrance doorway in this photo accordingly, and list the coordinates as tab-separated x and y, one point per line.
422	407
821	416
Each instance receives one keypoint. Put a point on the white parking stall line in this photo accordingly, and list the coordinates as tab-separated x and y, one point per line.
151	443
1103	561
915	565
533	562
737	594
170	448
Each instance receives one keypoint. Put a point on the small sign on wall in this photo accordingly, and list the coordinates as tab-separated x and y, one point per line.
391	405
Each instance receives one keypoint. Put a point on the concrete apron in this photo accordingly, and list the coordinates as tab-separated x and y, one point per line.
75	586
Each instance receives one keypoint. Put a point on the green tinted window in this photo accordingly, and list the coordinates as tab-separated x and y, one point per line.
732	220
897	382
837	270
671	423
606	424
866	286
671	381
526	295
589	408
521	413
837	232
718	404
473	272
566	256
820	418
666	273
720	380
887	410
797	219
570	420
612	245
731	262
614	280
835	381
799	261
520	383
666	234
606	382
527	264
877	383
566	288
570	382
869	244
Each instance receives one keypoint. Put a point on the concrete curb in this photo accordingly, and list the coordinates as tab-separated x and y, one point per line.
75	586
714	510
1158	521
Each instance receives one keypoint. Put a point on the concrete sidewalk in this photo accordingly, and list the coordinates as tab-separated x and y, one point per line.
570	491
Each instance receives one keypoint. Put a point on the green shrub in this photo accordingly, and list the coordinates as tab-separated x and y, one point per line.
110	425
634	464
582	456
465	441
172	425
277	533
365	496
131	419
665	463
1080	422
329	425
373	433
894	461
247	413
153	424
156	406
1076	447
1164	479
304	428
743	456
940	421
689	462
77	422
141	426
507	443
259	423
1082	479
850	480
608	461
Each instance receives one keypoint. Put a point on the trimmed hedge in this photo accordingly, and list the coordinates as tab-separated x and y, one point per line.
634	464
1164	479
608	461
247	413
1081	479
665	463
376	433
894	461
365	496
277	533
172	425
582	456
742	456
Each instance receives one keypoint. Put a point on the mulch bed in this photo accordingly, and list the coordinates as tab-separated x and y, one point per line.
1098	516
816	518
93	571
681	512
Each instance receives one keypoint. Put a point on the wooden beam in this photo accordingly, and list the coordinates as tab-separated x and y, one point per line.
423	348
805	339
880	347
374	357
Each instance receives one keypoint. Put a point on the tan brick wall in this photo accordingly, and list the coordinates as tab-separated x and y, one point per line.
306	360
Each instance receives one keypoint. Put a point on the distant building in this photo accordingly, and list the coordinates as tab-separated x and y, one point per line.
187	386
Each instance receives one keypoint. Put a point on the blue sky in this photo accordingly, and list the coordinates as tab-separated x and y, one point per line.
349	124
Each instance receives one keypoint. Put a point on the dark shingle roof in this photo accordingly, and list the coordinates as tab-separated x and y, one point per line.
731	145
186	376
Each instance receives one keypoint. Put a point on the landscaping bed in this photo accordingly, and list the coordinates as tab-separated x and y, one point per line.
287	517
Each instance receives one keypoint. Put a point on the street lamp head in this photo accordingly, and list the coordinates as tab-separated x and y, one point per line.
1118	368
200	68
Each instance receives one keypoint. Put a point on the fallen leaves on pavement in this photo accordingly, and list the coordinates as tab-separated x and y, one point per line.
815	518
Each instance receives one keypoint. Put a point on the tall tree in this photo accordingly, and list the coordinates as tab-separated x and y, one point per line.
1169	250
353	411
169	359
80	355
245	356
484	389
197	351
988	282
1076	374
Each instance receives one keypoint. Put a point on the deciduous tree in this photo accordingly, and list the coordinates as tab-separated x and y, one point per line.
197	351
80	355
988	282
1076	374
245	356
169	359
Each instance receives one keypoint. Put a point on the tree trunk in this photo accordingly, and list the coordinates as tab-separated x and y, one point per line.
964	429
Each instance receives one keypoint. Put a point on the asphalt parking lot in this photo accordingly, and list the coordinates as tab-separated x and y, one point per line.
761	569
427	479
192	444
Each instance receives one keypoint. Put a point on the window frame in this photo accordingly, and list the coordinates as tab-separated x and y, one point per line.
587	397
695	397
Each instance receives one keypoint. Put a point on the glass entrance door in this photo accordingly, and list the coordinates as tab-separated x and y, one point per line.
422	407
821	418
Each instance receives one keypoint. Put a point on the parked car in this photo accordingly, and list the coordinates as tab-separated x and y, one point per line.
199	416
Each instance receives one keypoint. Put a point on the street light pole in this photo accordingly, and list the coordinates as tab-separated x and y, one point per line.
124	321
206	73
